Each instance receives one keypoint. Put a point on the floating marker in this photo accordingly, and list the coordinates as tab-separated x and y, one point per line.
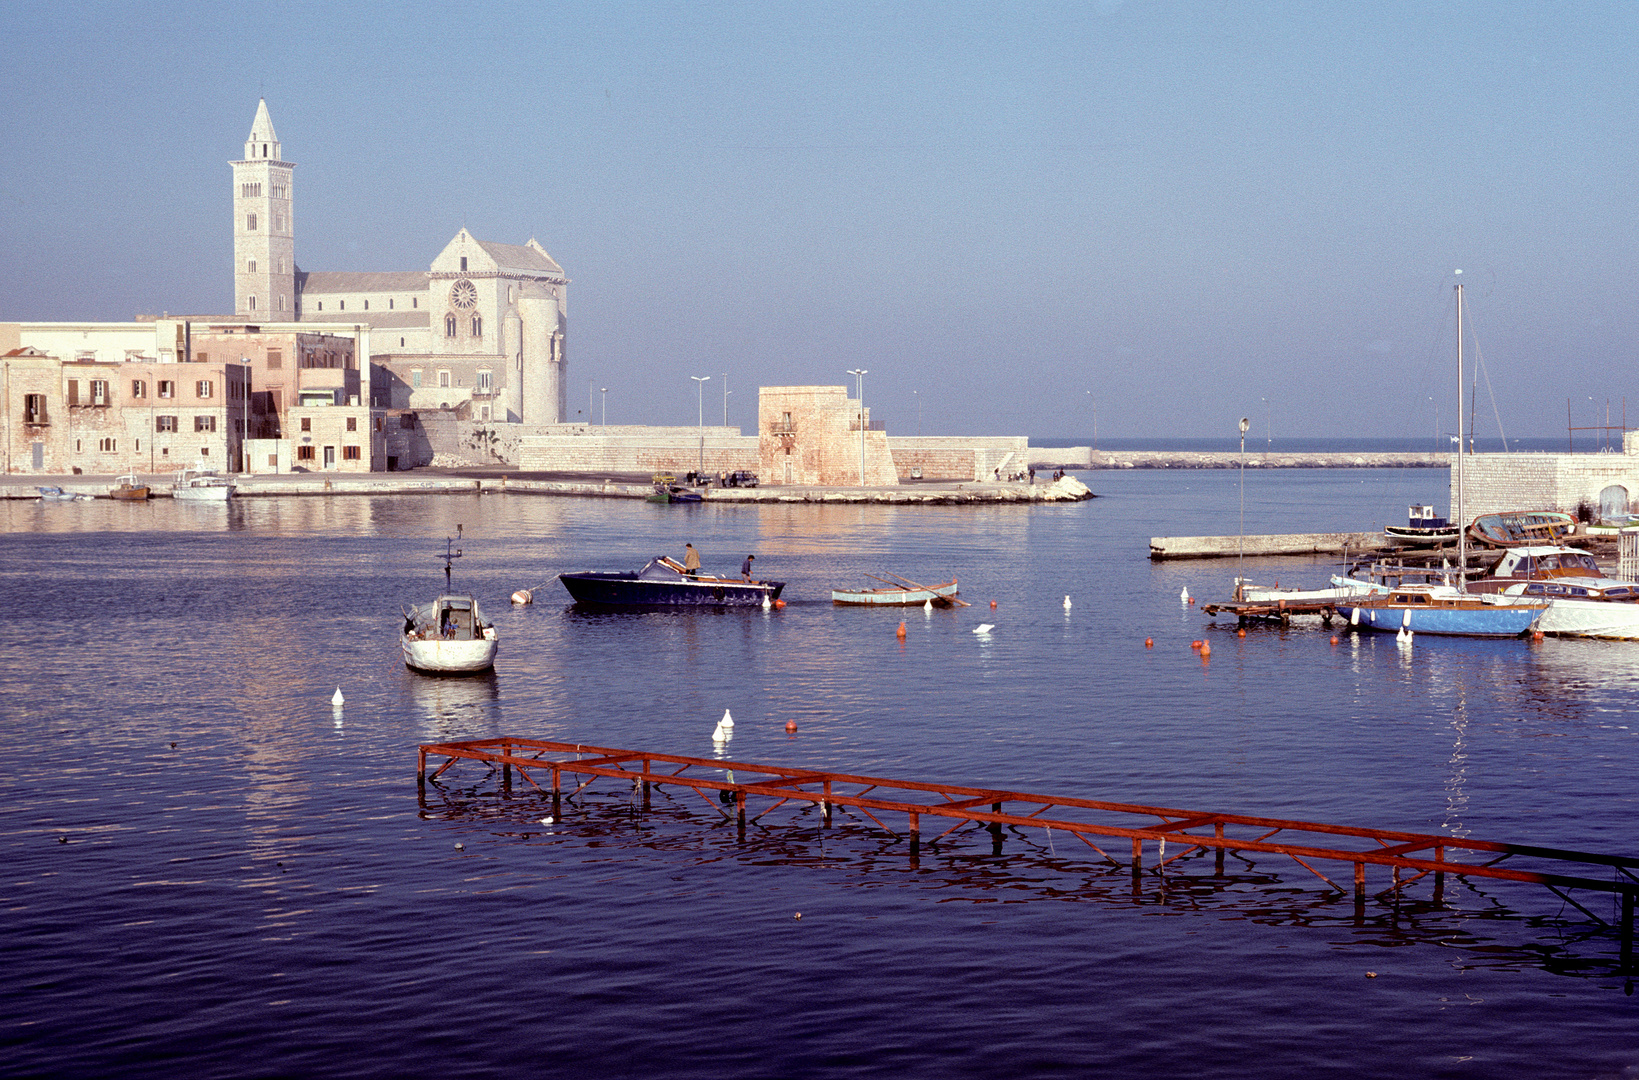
546	821
1149	643
927	606
984	628
900	633
1241	632
993	605
778	604
1067	603
336	699
1196	644
523	596
1183	597
727	721
767	603
1206	649
1334	639
790	727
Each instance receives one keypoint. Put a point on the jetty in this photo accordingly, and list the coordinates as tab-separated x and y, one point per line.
1229	547
750	792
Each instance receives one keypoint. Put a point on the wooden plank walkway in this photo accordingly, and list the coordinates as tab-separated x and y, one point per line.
1305	842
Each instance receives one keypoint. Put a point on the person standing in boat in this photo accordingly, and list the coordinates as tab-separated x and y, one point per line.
691	560
745	568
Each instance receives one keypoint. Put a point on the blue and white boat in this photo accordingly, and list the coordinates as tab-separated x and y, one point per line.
1443	610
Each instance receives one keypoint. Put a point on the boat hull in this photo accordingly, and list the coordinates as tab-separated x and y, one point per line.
1467	620
437	656
939	594
212	494
626	589
1407	536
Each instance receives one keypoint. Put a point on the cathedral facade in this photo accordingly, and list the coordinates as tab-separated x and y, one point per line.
481	331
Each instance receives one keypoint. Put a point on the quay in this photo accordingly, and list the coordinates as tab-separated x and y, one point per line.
491	482
1083	457
1228	547
575	766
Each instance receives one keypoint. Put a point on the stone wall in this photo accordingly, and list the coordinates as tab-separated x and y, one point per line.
958	457
633	449
811	435
1493	483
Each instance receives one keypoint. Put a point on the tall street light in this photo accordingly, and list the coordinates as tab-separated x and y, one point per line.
918	394
725	399
1240	559
859	374
604	390
700	382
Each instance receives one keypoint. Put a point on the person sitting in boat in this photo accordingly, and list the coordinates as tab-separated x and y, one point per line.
691	561
745	568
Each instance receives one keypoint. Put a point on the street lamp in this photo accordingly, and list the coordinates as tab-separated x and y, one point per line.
918	394
700	382
859	374
244	412
725	399
1240	558
604	390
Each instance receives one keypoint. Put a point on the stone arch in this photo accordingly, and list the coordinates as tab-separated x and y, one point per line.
1613	502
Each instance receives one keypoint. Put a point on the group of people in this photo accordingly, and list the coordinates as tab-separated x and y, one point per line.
691	563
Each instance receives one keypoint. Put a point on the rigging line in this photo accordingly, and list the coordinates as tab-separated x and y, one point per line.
1480	368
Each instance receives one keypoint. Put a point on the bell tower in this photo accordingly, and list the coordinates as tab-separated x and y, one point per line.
264	230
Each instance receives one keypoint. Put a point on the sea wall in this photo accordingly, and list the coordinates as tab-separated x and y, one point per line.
1082	457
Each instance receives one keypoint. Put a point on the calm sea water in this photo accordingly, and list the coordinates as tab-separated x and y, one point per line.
250	886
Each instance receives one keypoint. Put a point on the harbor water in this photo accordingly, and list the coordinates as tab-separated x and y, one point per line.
211	871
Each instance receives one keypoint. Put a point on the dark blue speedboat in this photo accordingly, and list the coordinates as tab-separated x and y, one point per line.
664	582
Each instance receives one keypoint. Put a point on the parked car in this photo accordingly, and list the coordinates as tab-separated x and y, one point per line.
741	478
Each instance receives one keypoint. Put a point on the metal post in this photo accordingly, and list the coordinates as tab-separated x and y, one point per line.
859	375
725	399
605	392
1240	556
700	382
916	833
244	412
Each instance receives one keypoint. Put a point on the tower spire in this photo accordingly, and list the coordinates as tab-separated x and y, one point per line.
263	141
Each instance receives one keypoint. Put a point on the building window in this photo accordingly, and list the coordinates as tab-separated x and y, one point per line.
443	380
484	381
484	413
367	305
73	391
164	423
281	303
352	423
415	379
389	303
341	305
204	451
321	305
307	423
252	304
250	267
350	453
378	423
250	222
202	358
449	326
167	388
406	421
415	301
34	408
278	222
275	359
204	423
304	453
463	264
477	326
139	389
99	391
401	343
202	388
107	446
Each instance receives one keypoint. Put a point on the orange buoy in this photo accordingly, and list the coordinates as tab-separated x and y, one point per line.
790	727
1206	649
1196	644
779	603
1192	600
1149	643
900	633
1536	635
1334	639
1240	633
993	604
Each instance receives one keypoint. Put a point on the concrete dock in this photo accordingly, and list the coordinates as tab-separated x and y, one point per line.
1228	547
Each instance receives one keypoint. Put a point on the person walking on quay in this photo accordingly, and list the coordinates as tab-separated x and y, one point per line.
691	560
745	568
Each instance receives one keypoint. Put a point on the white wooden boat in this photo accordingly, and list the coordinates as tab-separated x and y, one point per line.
202	485
448	635
898	595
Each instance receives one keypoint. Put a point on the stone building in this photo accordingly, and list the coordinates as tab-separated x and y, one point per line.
1495	483
481	330
818	435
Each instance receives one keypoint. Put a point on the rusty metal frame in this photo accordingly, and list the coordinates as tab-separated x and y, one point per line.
1564	870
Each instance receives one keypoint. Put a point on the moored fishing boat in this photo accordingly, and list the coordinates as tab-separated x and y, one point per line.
1423	529
898	595
57	494
664	582
128	489
201	485
1521	527
449	634
1583	602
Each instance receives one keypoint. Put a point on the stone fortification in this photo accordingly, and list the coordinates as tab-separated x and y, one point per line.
1081	457
818	435
958	457
634	448
1493	483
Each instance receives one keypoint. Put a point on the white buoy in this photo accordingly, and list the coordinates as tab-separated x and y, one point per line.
727	721
523	596
767	603
1067	603
927	606
546	821
984	628
1184	596
336	699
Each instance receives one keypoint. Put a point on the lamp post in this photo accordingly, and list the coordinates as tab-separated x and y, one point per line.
605	392
725	399
244	412
918	394
700	382
1240	557
859	375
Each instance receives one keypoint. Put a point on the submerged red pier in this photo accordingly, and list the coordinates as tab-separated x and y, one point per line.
1305	842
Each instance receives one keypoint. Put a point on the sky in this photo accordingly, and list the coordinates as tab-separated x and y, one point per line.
1015	217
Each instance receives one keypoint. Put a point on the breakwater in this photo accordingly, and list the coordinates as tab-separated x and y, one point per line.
1081	457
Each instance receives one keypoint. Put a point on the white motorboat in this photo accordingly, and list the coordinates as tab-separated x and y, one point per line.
448	635
201	485
1583	602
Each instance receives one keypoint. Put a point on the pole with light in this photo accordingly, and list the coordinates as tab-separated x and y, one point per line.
604	390
725	399
1240	558
244	411
918	394
859	375
700	382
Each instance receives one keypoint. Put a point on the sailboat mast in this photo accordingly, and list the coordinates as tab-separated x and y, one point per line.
1462	532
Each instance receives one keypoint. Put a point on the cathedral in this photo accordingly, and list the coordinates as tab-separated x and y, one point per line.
481	331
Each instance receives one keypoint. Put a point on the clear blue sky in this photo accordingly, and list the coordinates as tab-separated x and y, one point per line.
1195	210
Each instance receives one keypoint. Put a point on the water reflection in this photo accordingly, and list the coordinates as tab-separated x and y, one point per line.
450	709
